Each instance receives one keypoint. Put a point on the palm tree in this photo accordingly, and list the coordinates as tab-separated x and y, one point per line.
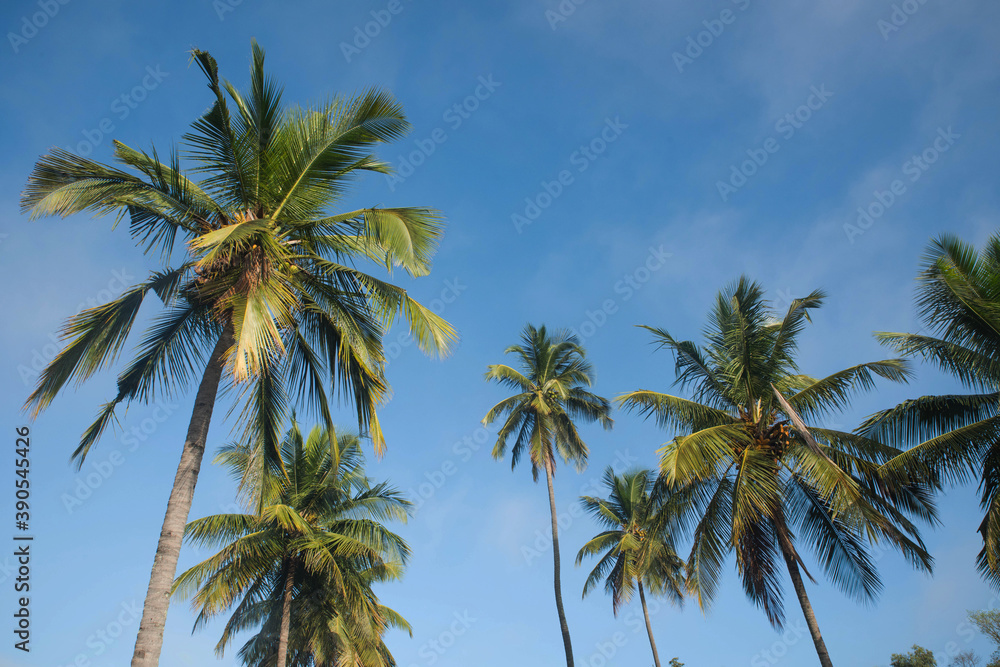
265	296
318	529
325	631
753	475
637	547
954	437
551	391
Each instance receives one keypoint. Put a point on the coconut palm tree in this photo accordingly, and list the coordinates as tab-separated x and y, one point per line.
758	480
636	547
264	295
954	437
325	630
550	392
318	528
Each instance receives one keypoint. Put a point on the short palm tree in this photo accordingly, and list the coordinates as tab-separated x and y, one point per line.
551	391
264	296
757	480
328	628
954	437
636	547
318	529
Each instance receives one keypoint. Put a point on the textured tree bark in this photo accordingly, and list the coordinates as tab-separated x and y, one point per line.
149	643
286	616
555	554
807	610
649	626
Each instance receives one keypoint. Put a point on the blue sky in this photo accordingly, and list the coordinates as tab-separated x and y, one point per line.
585	111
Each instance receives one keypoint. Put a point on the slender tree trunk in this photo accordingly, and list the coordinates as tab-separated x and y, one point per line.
555	555
286	616
807	610
649	627
154	612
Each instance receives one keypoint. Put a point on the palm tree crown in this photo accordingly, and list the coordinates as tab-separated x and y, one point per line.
636	546
551	392
316	545
954	437
756	476
265	260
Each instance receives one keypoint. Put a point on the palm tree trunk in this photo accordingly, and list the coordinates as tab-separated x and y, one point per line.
286	616
555	555
649	627
807	610
154	612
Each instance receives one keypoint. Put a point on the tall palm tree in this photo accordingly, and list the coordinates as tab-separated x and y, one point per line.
636	546
757	480
551	391
264	295
318	528
954	437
